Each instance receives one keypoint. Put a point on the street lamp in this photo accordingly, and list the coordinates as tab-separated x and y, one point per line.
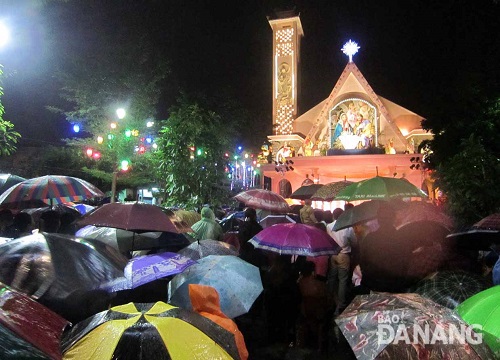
4	34
121	113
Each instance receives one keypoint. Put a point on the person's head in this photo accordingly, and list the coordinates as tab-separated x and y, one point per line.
348	206
23	222
50	221
343	117
307	268
250	214
336	213
207	213
359	117
386	215
308	202
327	216
6	218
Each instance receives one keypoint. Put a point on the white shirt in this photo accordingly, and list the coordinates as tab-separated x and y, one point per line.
342	237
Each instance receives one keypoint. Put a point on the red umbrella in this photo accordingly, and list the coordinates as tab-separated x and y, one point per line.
295	239
130	216
490	222
263	199
31	322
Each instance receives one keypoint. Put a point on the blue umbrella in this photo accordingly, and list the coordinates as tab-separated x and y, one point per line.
496	273
145	269
237	282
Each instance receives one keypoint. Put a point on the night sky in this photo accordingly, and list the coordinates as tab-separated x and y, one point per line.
411	52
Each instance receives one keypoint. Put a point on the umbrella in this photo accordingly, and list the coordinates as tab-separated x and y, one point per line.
407	326
363	212
329	191
484	309
134	217
188	216
263	199
8	180
306	191
125	241
147	268
51	189
482	235
451	287
271	220
148	331
59	208
237	282
202	248
28	330
61	271
380	187
496	273
420	210
295	239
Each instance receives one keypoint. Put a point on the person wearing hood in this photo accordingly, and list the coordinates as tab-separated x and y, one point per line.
207	227
205	301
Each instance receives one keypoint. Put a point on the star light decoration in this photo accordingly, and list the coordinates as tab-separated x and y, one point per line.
350	48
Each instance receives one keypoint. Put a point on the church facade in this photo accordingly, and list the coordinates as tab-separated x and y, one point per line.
352	134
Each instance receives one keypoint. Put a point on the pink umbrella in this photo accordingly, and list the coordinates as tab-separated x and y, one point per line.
295	239
263	199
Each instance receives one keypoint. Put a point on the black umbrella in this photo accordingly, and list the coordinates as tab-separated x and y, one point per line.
306	191
61	271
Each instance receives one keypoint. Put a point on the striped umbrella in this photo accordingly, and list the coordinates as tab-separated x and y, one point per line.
51	189
148	331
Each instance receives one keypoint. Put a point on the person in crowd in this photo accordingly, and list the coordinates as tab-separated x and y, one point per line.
383	257
312	321
327	217
50	221
22	225
281	299
247	230
339	274
307	213
68	225
6	219
320	262
207	227
250	226
206	302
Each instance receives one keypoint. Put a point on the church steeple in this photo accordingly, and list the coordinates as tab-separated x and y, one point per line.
287	33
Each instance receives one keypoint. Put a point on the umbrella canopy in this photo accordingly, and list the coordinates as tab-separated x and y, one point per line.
237	282
380	187
295	239
51	189
482	235
60	209
419	211
188	216
306	191
271	220
484	309
202	248
8	180
263	199
61	271
148	331
34	329
147	268
394	326
125	241
329	191
450	288
130	216
363	212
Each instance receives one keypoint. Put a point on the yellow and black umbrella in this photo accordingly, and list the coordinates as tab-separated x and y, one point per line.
148	331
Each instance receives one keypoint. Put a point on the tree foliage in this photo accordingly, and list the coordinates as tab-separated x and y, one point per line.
8	136
465	153
191	154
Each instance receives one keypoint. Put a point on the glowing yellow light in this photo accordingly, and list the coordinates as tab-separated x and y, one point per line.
113	125
100	139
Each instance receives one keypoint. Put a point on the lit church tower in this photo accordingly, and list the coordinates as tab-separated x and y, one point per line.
287	33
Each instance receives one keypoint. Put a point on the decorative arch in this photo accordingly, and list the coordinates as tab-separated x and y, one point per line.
285	188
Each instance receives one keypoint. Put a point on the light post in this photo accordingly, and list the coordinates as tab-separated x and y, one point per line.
4	34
